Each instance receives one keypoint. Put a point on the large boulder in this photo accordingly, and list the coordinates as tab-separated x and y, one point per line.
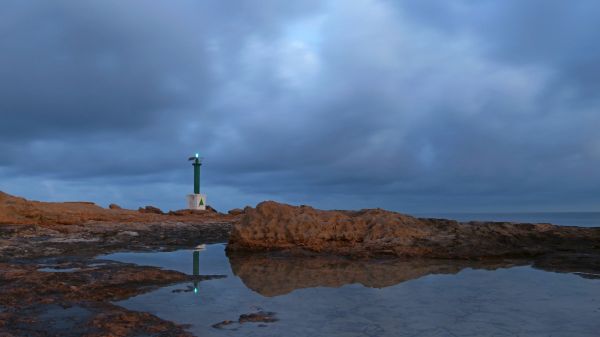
376	232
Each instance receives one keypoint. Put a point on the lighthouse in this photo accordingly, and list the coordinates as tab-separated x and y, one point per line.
196	201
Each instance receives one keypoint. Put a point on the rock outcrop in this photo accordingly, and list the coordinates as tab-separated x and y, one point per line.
376	232
20	211
33	229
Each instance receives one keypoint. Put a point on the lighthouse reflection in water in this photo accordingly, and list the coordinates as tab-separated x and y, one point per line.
196	264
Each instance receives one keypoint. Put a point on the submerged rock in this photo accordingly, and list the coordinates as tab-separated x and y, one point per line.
253	317
377	232
77	303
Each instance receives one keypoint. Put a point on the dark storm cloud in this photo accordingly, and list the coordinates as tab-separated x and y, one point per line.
109	79
78	69
411	105
554	33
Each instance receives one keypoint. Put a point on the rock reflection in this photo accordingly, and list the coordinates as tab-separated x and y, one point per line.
272	275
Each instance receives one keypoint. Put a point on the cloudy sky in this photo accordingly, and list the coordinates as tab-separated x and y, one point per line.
416	106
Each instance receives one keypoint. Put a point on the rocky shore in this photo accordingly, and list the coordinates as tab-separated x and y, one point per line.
52	285
71	297
33	229
379	233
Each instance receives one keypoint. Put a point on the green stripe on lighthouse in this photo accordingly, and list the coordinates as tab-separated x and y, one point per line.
197	165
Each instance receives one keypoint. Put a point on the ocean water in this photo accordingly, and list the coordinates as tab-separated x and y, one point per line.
341	297
580	219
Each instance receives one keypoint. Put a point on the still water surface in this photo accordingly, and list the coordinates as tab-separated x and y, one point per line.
339	297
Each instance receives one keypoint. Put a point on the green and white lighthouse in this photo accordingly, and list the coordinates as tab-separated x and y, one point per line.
197	200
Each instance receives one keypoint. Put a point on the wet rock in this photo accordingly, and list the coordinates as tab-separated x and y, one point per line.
376	232
21	241
122	322
76	303
90	319
254	317
25	284
223	324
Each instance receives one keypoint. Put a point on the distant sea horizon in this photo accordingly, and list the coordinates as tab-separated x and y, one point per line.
579	219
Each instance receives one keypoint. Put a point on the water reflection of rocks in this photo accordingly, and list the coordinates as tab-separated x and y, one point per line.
272	275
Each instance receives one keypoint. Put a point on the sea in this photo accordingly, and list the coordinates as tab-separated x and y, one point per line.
329	297
580	219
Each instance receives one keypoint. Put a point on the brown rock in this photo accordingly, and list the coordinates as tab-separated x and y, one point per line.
253	317
20	211
236	211
182	212
32	298
211	209
260	316
150	209
114	206
376	232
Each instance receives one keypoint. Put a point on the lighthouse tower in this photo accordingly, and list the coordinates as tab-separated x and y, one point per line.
197	200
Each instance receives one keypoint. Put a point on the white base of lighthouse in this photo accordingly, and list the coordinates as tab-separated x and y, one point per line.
196	201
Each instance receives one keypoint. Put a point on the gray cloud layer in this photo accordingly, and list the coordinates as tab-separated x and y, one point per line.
410	105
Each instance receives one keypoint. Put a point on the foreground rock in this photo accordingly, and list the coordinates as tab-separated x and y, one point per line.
34	241
74	299
376	232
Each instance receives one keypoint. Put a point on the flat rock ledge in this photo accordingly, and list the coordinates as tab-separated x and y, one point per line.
377	233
